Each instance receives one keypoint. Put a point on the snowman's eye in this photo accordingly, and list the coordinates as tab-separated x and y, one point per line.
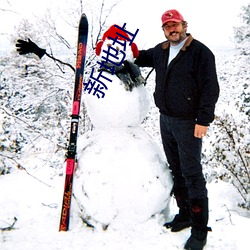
117	48
109	44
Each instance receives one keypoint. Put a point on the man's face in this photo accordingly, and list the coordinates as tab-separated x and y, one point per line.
174	32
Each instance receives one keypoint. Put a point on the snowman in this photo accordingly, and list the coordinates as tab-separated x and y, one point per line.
122	178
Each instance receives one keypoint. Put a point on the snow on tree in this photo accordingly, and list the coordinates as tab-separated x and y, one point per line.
34	106
230	151
36	95
242	33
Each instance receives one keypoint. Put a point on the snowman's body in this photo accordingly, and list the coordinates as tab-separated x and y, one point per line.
119	108
122	177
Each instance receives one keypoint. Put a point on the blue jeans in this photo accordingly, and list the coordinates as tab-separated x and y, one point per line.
183	152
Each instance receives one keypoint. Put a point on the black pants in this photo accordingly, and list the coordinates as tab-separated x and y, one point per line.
183	152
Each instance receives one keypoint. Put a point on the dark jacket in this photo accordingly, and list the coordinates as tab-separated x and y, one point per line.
188	87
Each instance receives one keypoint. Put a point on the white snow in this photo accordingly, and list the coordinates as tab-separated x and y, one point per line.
37	208
121	181
122	177
119	108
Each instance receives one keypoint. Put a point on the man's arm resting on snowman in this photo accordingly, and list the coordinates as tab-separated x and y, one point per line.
24	47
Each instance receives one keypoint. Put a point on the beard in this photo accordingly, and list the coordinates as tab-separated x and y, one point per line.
175	37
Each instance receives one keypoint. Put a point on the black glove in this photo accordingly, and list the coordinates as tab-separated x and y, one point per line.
134	72
129	73
24	47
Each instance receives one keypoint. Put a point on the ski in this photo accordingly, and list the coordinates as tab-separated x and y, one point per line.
71	160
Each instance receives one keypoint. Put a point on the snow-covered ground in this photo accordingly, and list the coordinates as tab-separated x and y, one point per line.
37	208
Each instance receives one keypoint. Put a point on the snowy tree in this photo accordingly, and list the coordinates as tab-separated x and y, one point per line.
36	95
34	104
242	39
230	154
242	33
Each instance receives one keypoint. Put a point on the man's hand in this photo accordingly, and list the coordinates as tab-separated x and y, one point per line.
24	47
200	131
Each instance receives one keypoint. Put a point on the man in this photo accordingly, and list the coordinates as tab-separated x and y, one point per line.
186	93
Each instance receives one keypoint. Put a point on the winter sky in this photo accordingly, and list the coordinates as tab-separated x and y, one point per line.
211	21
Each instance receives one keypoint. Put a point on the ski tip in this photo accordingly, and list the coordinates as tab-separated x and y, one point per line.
83	19
84	16
83	24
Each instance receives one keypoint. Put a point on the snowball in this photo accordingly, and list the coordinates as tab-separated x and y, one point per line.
122	177
118	108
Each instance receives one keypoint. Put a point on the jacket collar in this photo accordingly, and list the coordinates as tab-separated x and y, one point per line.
166	44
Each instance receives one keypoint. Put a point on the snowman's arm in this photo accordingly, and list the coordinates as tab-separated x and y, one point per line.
25	47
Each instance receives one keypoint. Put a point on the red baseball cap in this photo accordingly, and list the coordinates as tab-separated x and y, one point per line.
171	16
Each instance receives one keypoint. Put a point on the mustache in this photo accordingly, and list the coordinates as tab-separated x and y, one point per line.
173	32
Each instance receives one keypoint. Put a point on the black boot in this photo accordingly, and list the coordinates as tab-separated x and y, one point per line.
181	220
199	215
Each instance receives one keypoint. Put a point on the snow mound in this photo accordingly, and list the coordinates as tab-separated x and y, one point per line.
118	108
122	178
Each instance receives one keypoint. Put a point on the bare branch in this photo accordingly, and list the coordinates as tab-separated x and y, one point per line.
1	9
10	227
57	60
102	21
19	166
31	127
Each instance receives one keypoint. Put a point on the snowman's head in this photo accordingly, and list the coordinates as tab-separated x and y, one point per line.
119	46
